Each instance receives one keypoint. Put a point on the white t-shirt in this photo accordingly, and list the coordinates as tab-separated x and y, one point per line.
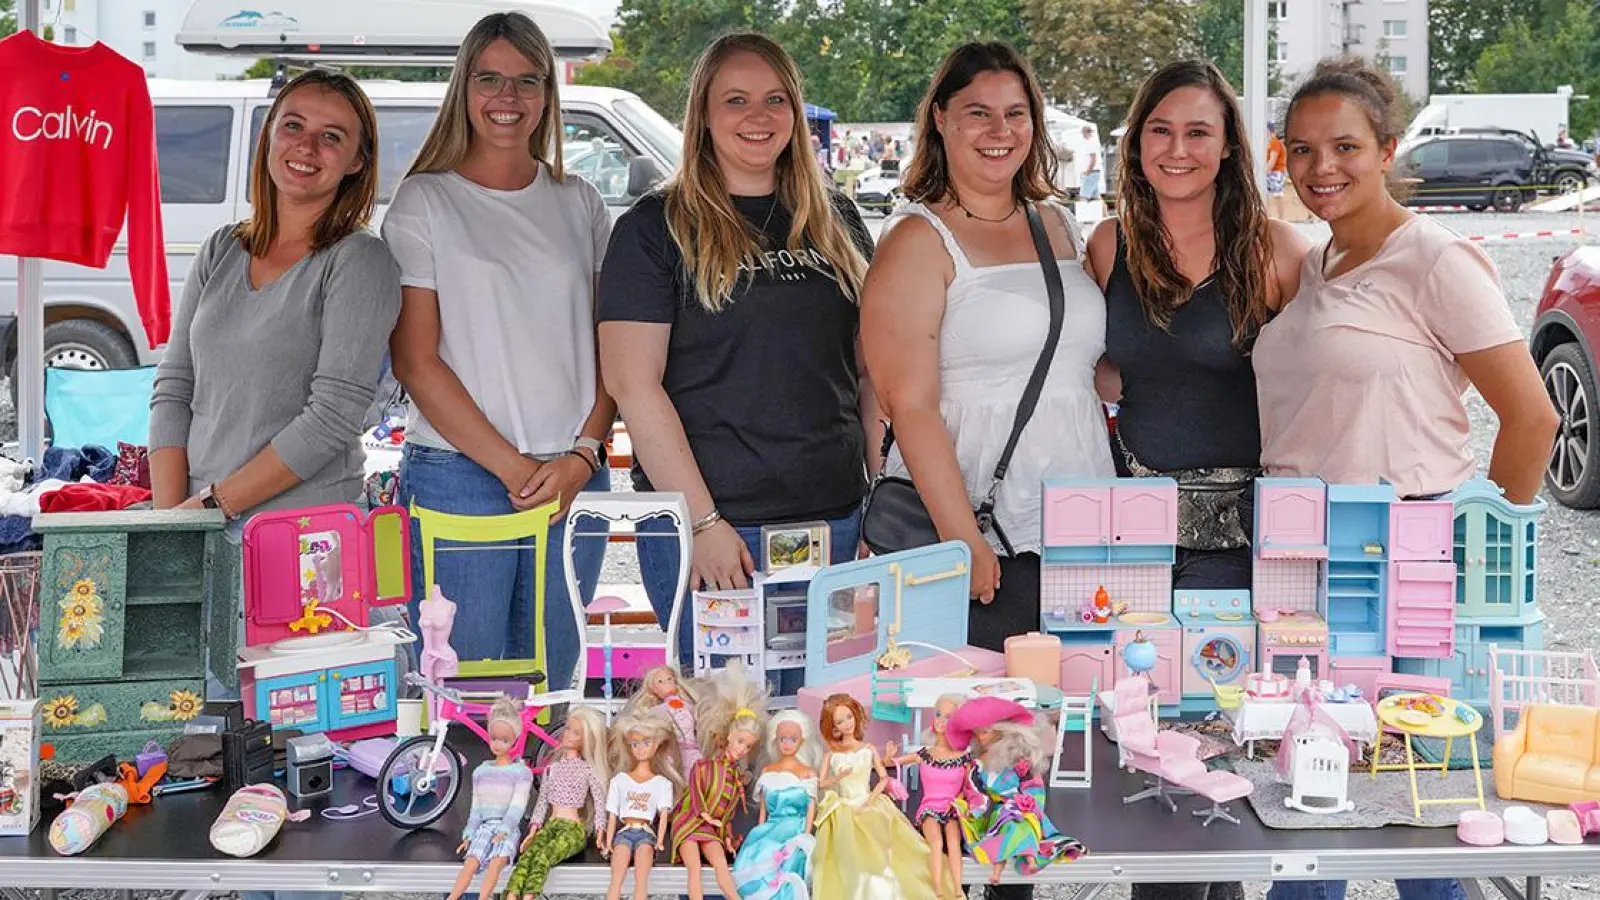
628	799
514	271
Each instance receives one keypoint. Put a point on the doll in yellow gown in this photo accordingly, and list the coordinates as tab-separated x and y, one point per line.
866	849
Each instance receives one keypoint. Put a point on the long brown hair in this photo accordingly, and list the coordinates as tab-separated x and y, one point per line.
450	138
352	205
710	232
1243	260
927	178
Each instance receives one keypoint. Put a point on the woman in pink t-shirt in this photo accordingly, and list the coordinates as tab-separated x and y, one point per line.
1361	375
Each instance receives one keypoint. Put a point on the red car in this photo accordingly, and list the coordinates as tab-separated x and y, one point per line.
1566	337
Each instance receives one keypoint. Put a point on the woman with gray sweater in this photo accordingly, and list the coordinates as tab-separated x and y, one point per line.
279	338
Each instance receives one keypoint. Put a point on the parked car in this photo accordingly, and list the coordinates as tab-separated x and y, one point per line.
1566	337
205	136
878	188
1479	169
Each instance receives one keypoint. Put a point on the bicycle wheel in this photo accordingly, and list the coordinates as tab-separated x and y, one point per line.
406	797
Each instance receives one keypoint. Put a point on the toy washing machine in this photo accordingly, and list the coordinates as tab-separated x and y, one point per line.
1219	638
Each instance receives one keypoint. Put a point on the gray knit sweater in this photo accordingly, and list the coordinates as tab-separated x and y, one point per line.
294	364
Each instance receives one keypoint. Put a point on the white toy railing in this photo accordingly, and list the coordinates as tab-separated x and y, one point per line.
1519	678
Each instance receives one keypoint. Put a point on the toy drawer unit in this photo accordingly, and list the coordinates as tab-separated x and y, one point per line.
346	689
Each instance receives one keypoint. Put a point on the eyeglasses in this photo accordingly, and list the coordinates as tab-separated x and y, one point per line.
492	84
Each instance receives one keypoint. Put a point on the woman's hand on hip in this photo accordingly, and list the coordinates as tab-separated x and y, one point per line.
562	477
985	570
721	559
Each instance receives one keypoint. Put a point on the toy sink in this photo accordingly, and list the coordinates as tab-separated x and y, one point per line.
1144	618
312	643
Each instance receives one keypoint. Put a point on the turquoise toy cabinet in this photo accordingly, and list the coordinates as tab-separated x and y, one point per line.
123	606
1494	547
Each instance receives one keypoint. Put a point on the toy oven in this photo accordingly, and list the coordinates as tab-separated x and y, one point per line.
1281	652
786	618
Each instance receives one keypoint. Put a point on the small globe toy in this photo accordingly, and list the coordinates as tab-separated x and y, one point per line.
1139	654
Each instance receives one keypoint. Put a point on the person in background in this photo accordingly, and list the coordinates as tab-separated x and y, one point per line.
1191	268
499	251
279	336
1091	166
1361	376
1277	172
1563	142
955	312
728	311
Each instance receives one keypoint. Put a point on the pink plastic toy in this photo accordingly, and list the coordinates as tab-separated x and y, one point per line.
1480	828
436	617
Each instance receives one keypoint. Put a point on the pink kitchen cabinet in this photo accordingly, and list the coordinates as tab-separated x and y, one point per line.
1291	518
1144	515
1167	675
1422	610
1421	531
1077	516
1084	666
1361	671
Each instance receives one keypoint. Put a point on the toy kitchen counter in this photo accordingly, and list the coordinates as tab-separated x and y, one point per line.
163	846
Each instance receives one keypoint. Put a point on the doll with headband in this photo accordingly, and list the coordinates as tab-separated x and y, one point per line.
661	688
730	720
774	862
500	789
945	774
570	802
643	751
1007	822
862	837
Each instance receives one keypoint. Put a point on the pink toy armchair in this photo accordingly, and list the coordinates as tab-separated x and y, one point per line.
1169	756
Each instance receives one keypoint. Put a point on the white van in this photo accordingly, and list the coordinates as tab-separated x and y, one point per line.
205	136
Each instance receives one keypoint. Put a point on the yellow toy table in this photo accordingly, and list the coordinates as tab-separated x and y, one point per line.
1393	713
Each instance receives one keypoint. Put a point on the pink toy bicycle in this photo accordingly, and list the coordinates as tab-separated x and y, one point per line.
421	778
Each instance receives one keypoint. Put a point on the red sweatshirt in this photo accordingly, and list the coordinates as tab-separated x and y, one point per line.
77	151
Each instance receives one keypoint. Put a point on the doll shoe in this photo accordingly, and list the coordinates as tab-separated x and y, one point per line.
1524	826
1563	826
1481	829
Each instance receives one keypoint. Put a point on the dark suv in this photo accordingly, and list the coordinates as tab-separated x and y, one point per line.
1477	170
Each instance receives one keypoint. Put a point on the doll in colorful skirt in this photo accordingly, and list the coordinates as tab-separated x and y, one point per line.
945	774
571	800
731	721
1006	822
500	789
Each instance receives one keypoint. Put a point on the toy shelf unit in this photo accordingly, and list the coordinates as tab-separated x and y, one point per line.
727	624
1358	552
1494	548
1521	678
311	660
765	626
123	598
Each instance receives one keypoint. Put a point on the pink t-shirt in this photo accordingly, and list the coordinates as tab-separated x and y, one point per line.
1357	376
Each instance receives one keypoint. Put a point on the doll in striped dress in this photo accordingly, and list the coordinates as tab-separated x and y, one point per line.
731	721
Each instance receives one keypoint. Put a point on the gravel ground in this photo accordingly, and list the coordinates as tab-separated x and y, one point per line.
1569	553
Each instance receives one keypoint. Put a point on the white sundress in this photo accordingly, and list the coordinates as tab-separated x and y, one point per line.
995	322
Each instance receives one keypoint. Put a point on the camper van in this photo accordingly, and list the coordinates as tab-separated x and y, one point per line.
205	137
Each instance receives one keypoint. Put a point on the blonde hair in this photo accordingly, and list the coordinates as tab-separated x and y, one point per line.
505	711
931	737
645	698
711	234
351	209
807	755
450	138
1014	742
734	704
655	726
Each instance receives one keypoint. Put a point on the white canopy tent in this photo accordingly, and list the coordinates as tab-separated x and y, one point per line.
30	307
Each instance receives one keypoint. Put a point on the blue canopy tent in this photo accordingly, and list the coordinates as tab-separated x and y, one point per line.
819	119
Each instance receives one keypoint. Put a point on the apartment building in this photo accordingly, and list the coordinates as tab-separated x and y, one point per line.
1308	30
144	31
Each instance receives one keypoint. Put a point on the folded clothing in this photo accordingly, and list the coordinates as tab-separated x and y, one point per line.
71	464
91	497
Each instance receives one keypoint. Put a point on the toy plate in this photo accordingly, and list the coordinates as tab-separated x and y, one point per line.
1414	718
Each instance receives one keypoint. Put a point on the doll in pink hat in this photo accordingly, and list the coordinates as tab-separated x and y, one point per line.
1008	821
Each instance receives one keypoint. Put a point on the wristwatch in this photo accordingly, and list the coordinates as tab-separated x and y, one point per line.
590	444
207	498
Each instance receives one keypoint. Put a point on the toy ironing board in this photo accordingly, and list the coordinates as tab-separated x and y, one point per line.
300	564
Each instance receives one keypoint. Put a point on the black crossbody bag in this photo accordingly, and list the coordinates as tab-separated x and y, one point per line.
895	517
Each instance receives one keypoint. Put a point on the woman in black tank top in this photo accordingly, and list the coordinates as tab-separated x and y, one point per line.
1191	268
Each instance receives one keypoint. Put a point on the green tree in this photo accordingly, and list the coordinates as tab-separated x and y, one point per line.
1562	50
1092	54
1219	28
8	17
1458	33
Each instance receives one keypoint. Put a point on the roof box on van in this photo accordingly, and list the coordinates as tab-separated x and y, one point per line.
414	31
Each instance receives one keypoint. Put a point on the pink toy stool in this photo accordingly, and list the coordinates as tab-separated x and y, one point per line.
1219	787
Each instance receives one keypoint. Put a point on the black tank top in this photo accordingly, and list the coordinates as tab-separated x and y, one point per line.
1188	395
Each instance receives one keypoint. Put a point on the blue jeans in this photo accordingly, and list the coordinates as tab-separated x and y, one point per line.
658	567
493	589
1409	889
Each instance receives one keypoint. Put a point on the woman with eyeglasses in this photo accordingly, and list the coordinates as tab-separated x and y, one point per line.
499	251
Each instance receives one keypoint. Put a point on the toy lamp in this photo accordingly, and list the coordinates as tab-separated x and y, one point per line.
1139	655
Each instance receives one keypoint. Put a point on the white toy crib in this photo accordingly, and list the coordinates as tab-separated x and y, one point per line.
1320	781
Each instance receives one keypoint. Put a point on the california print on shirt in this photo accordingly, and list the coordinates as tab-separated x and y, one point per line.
786	264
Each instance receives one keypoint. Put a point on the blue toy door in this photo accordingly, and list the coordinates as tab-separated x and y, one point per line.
1223	658
916	599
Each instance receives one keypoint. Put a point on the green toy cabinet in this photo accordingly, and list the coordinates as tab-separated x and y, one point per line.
122	624
1495	550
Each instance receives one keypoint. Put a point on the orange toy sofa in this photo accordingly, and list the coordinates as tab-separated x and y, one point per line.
1552	757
